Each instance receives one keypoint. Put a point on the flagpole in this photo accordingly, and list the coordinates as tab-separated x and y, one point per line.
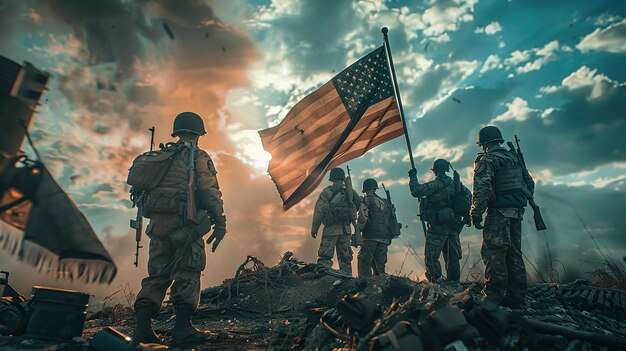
396	92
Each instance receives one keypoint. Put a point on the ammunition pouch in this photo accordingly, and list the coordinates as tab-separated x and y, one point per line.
439	215
164	200
195	257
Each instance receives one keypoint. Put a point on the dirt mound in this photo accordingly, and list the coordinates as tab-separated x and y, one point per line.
280	308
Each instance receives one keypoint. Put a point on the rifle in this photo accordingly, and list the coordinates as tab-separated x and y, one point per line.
456	181
354	239
539	223
137	198
192	233
395	226
192	211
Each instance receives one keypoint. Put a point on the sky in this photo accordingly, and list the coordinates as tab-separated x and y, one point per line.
551	73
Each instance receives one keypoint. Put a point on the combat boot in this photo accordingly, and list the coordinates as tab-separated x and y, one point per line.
143	328
184	333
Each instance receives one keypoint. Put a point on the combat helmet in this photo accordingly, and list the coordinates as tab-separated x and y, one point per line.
188	122
489	134
337	174
440	165
369	184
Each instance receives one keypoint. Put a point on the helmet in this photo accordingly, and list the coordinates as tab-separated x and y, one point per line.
337	174
440	165
489	134
188	122
369	184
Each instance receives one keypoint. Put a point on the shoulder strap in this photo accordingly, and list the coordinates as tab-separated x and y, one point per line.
335	193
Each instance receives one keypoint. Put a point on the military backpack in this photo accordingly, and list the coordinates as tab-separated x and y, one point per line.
338	210
149	168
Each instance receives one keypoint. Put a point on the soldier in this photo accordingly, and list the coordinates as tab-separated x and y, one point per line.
166	208
374	215
498	182
333	210
445	222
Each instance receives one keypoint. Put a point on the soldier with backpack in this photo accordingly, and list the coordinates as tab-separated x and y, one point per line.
502	188
336	213
378	225
444	205
181	196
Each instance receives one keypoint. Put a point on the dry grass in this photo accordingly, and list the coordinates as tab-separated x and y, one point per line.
609	275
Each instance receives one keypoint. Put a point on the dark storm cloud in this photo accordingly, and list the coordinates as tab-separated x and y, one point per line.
189	13
112	30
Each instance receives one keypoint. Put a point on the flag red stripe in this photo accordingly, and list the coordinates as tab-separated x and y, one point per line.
362	139
305	157
358	149
336	162
299	113
287	176
337	118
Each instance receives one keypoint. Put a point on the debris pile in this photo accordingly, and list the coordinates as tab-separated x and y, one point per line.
302	306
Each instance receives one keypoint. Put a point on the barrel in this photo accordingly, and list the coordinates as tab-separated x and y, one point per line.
57	314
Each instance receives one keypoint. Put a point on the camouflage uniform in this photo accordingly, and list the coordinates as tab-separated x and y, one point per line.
440	237
172	192
498	179
334	235
373	221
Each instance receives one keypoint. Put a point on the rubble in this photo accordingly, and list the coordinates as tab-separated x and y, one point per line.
294	306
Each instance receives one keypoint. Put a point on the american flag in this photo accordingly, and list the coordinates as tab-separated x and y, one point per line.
349	115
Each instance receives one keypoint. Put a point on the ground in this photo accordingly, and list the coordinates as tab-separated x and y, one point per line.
279	308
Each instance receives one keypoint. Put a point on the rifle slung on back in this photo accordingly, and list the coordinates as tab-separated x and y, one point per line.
526	189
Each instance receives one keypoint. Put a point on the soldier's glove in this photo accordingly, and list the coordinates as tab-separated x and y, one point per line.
413	173
476	221
216	237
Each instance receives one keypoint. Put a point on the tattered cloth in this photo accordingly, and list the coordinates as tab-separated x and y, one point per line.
56	236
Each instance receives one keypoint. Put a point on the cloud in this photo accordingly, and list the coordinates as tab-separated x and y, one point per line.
433	149
610	39
583	131
446	16
543	55
34	16
606	18
596	84
490	29
516	110
517	57
492	62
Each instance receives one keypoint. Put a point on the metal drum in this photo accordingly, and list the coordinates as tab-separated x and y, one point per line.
57	314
